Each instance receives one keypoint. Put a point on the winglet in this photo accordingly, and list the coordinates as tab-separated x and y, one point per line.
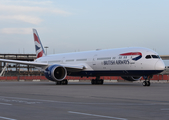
38	45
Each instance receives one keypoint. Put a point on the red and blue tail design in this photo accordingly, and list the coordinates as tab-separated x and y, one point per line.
38	45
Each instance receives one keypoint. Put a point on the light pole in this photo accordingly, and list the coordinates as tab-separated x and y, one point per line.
46	49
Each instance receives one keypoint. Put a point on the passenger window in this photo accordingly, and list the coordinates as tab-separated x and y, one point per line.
81	60
70	60
125	57
148	57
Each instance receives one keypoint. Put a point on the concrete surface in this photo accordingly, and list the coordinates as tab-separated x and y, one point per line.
83	101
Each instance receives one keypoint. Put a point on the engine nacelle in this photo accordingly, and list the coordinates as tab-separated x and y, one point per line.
56	73
132	78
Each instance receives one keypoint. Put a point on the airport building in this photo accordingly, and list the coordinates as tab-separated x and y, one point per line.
18	69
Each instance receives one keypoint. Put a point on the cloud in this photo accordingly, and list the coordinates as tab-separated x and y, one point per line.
16	30
28	11
46	2
24	18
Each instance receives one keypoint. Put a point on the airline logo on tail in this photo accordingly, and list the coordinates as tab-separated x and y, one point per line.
38	45
138	54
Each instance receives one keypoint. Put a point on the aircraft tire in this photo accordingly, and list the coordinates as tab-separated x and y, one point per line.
93	81
64	82
58	83
98	82
101	81
144	83
148	83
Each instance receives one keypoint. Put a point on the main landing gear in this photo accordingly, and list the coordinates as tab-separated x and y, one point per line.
147	80
63	82
97	81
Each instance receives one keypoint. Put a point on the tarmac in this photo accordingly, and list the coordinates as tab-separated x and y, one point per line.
83	101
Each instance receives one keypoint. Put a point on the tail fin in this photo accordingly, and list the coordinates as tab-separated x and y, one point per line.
38	45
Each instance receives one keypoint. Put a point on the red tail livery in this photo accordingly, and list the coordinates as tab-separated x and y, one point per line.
38	45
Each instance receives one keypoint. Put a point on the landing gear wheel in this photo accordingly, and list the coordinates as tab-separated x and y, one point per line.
93	81
101	81
147	80
144	83
97	81
63	82
148	83
58	82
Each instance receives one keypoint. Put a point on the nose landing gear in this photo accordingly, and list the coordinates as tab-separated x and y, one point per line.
146	83
147	80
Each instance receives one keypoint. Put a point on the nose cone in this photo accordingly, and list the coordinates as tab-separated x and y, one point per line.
160	65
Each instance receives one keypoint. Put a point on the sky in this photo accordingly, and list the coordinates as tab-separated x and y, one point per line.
83	25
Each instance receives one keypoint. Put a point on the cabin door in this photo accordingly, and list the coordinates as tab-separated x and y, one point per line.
94	62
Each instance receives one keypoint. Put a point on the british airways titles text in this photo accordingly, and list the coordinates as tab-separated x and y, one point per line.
115	62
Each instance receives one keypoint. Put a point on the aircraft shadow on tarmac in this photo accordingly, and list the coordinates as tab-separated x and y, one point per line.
82	84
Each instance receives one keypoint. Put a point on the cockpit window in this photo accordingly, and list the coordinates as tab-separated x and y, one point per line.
159	56
155	56
152	56
148	57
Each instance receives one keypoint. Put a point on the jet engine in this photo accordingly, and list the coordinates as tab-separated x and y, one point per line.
55	73
132	78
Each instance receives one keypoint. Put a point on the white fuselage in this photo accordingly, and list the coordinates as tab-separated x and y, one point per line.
119	61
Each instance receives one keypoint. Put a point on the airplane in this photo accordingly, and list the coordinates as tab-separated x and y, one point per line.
130	63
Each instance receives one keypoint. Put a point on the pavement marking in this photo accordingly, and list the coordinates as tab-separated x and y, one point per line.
5	104
38	101
21	100
88	114
18	101
7	118
17	98
165	109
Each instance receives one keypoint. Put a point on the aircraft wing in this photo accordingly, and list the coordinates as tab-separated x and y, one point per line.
24	62
43	65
